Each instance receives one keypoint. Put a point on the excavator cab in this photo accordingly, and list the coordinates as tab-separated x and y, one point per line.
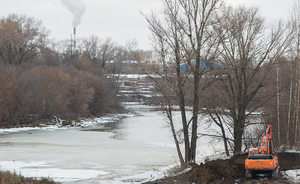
253	151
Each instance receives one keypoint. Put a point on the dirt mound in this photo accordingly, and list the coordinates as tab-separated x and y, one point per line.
288	161
230	171
218	171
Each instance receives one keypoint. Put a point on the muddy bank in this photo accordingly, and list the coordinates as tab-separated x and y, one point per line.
229	171
40	121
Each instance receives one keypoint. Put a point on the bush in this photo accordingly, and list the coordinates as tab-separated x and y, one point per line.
9	178
46	91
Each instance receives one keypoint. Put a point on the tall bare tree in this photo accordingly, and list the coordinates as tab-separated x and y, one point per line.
249	50
182	35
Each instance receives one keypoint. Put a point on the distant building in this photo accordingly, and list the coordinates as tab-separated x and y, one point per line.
148	58
135	87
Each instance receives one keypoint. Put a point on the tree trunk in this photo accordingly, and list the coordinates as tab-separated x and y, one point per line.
278	105
169	113
224	139
237	140
195	111
238	135
287	129
293	132
297	116
183	116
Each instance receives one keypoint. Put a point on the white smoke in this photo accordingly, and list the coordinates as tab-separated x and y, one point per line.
77	8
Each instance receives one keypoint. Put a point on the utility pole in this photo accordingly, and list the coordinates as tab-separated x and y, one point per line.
278	104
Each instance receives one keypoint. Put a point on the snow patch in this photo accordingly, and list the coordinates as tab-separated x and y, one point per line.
26	129
292	151
293	175
110	118
131	103
43	170
148	176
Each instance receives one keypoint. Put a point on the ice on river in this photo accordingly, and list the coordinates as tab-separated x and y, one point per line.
135	149
42	169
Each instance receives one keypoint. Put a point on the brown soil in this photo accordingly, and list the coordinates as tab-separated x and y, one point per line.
230	171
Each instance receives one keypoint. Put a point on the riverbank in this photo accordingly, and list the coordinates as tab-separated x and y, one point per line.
232	170
61	125
52	120
13	178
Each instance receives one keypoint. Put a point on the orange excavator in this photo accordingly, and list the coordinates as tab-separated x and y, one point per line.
263	160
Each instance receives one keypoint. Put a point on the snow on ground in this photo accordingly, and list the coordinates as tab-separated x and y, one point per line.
26	129
134	76
83	123
293	175
151	175
131	103
292	151
109	118
42	169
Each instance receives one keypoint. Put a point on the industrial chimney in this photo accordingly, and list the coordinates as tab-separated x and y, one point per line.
74	38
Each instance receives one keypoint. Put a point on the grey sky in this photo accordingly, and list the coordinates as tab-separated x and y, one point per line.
119	19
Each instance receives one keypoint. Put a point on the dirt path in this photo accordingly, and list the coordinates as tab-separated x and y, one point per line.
230	171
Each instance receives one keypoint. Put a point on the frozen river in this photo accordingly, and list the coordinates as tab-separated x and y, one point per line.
133	150
128	151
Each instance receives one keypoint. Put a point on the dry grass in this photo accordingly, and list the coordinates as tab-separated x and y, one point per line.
10	178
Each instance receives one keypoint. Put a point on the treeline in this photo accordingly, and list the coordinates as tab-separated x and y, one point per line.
282	109
40	78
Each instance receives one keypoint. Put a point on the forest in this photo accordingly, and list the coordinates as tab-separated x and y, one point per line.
44	79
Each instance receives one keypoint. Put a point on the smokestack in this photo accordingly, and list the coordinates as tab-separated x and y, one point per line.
71	44
77	8
74	37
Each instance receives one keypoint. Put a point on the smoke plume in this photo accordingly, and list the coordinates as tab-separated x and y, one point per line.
77	8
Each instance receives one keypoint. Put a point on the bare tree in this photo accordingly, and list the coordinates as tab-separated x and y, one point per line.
248	52
99	51
183	36
21	38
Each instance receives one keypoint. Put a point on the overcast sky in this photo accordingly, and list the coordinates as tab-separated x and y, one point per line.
119	19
